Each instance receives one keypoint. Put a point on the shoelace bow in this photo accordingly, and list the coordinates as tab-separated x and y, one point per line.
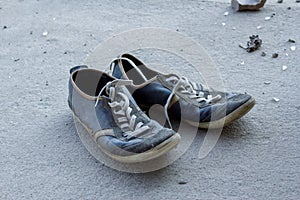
122	109
184	86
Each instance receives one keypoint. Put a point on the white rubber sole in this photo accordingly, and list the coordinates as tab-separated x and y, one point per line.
235	115
153	153
156	152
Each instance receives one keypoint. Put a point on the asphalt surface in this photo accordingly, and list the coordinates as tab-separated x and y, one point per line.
42	156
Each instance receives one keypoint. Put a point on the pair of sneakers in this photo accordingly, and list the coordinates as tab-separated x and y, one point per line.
111	107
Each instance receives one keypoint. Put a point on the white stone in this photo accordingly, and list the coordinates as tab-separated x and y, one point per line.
284	67
276	99
293	48
45	33
267	18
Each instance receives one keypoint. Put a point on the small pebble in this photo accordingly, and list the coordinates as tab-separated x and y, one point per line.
267	82
293	48
284	67
297	1
182	182
47	83
31	32
279	1
4	27
223	23
242	63
44	52
275	55
267	18
289	8
226	13
233	28
291	41
45	33
263	54
276	99
16	60
259	27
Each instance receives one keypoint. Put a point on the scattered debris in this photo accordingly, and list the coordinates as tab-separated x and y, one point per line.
273	14
293	48
263	54
291	41
258	27
241	5
276	99
45	33
284	67
4	27
275	55
182	182
267	18
252	45
226	13
267	82
279	1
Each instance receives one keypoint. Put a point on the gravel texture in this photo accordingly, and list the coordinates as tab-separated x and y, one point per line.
42	156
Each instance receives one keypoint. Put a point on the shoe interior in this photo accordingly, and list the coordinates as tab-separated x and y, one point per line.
138	74
90	81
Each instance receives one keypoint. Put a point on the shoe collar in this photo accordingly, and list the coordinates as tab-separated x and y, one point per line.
141	69
87	71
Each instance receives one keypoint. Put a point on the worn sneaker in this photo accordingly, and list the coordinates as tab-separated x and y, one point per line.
105	108
182	99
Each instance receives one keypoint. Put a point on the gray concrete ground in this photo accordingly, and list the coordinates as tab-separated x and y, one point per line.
42	156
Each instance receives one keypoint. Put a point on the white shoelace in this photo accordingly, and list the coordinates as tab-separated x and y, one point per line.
112	66
184	86
123	110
